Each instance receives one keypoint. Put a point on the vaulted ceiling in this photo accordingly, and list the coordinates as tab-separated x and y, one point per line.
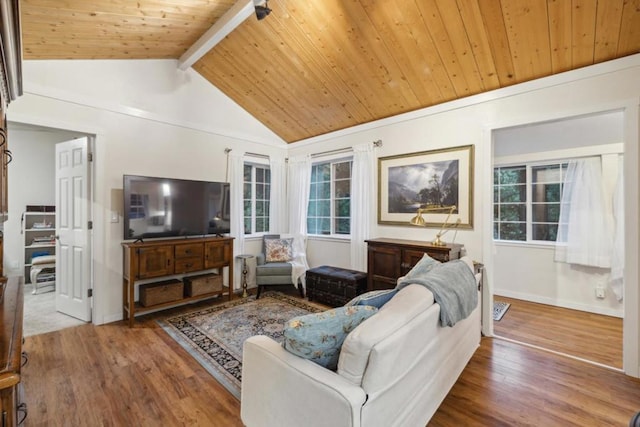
315	66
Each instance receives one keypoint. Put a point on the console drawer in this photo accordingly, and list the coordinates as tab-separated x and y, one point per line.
185	265
189	250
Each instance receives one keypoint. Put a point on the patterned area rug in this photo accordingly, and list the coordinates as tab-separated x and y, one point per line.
499	309
214	335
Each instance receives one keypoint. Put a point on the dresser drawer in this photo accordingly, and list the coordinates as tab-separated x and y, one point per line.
189	250
185	265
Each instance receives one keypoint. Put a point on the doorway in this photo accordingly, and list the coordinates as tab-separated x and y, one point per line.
32	182
550	298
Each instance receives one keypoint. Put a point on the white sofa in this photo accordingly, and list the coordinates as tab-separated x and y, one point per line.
395	369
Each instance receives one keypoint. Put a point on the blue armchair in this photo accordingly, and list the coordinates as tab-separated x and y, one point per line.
277	270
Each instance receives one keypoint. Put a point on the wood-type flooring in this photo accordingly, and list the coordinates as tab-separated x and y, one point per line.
113	375
589	336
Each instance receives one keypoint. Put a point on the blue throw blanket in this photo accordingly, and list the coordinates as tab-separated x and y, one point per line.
453	286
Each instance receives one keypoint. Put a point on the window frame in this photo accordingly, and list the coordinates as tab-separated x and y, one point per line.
529	203
261	165
332	198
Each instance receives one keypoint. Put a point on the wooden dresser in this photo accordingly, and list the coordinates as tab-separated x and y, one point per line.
174	259
13	410
389	259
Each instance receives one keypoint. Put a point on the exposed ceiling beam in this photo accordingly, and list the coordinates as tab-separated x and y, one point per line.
227	23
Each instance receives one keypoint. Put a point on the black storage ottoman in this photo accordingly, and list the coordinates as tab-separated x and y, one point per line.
334	286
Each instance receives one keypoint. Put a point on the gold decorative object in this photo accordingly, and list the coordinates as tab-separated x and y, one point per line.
419	220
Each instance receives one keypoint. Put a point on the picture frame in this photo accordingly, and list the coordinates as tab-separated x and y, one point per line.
427	179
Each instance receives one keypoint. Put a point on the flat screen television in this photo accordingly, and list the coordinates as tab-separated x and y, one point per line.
168	207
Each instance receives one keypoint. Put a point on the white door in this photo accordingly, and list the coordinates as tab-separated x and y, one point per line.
73	257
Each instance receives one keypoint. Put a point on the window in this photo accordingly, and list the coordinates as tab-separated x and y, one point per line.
256	195
526	201
329	210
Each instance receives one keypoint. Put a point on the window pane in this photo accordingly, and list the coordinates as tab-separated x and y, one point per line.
312	210
496	193
343	188
513	193
496	212
513	212
260	225
324	190
247	226
546	232
267	192
259	175
342	226
513	175
496	228
259	191
247	208
545	212
247	191
343	208
267	175
513	231
324	208
321	172
342	170
311	226
260	208
325	225
545	193
247	173
546	173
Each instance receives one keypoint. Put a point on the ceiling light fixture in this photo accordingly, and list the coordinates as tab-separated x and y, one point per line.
262	11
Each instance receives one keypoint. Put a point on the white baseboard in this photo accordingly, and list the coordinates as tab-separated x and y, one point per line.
606	311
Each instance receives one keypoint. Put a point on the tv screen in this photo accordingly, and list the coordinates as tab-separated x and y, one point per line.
167	207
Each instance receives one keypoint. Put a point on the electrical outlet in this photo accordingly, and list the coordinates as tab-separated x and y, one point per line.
600	293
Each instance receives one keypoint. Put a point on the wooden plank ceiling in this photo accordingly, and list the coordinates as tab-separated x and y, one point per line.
316	66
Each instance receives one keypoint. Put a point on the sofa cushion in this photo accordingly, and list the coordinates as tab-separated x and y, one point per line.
278	250
274	269
408	303
319	336
376	298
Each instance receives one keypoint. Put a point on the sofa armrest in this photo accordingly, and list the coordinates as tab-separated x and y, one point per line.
260	259
282	389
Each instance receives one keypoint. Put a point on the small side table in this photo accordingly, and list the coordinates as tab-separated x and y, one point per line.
244	259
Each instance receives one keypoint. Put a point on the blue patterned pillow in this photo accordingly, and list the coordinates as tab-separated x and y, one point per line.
319	336
373	298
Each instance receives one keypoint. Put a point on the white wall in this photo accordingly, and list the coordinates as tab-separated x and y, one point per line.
603	87
177	136
165	137
540	278
31	182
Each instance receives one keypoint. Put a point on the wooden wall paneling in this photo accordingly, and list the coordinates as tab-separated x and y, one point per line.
458	36
607	30
438	30
629	42
493	20
583	20
382	63
225	76
404	32
527	28
347	52
560	35
479	43
337	94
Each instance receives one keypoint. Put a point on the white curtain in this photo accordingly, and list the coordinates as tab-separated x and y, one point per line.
362	178
616	280
277	209
298	196
584	229
236	179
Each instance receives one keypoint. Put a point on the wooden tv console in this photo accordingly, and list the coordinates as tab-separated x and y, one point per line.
159	260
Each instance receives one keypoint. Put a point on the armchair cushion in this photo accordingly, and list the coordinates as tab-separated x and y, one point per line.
319	336
278	250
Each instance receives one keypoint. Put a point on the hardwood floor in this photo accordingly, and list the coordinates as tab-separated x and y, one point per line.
589	336
112	375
